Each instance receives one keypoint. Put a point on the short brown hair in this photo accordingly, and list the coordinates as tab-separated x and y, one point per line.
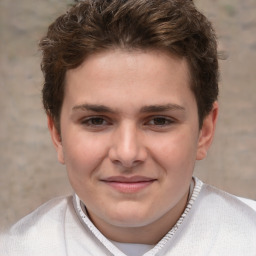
90	26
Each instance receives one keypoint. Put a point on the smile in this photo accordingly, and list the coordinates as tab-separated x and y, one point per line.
128	184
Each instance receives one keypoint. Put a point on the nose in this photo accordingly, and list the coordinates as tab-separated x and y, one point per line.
127	148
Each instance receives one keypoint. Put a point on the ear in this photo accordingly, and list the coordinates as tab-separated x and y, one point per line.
207	132
56	139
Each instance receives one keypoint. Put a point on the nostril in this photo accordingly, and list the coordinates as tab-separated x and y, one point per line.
127	165
117	162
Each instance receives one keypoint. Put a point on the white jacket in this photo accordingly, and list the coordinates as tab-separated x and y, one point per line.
214	223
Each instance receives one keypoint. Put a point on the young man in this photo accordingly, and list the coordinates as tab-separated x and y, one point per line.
131	96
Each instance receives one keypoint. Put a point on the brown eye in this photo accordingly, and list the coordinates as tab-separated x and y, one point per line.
94	121
160	121
97	121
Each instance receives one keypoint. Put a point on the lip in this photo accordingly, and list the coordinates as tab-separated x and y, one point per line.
128	184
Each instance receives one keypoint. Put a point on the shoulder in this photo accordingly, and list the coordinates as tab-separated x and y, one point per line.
251	203
46	223
231	219
221	223
50	213
227	202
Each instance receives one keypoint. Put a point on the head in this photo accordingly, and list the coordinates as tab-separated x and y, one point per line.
130	90
92	26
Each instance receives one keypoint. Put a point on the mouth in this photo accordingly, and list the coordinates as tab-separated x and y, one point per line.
128	184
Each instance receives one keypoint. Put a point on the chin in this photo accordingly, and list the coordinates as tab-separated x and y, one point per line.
131	219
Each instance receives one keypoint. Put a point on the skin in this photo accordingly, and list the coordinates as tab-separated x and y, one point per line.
129	139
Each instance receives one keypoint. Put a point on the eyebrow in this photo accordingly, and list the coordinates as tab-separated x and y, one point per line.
94	108
161	108
146	109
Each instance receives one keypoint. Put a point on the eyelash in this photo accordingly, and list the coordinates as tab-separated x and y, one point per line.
167	121
89	121
93	122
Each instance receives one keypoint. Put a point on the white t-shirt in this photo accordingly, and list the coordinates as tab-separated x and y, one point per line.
133	249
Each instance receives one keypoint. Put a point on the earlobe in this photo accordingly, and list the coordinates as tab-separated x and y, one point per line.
207	132
56	139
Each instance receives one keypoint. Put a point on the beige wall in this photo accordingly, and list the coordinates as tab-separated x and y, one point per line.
30	174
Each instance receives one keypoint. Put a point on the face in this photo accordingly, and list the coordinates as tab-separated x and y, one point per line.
130	138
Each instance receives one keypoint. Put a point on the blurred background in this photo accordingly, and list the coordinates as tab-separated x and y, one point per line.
29	172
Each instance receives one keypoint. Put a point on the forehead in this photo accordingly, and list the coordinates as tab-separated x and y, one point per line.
115	74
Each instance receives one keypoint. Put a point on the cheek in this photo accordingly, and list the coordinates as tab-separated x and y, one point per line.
83	160
177	151
83	154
